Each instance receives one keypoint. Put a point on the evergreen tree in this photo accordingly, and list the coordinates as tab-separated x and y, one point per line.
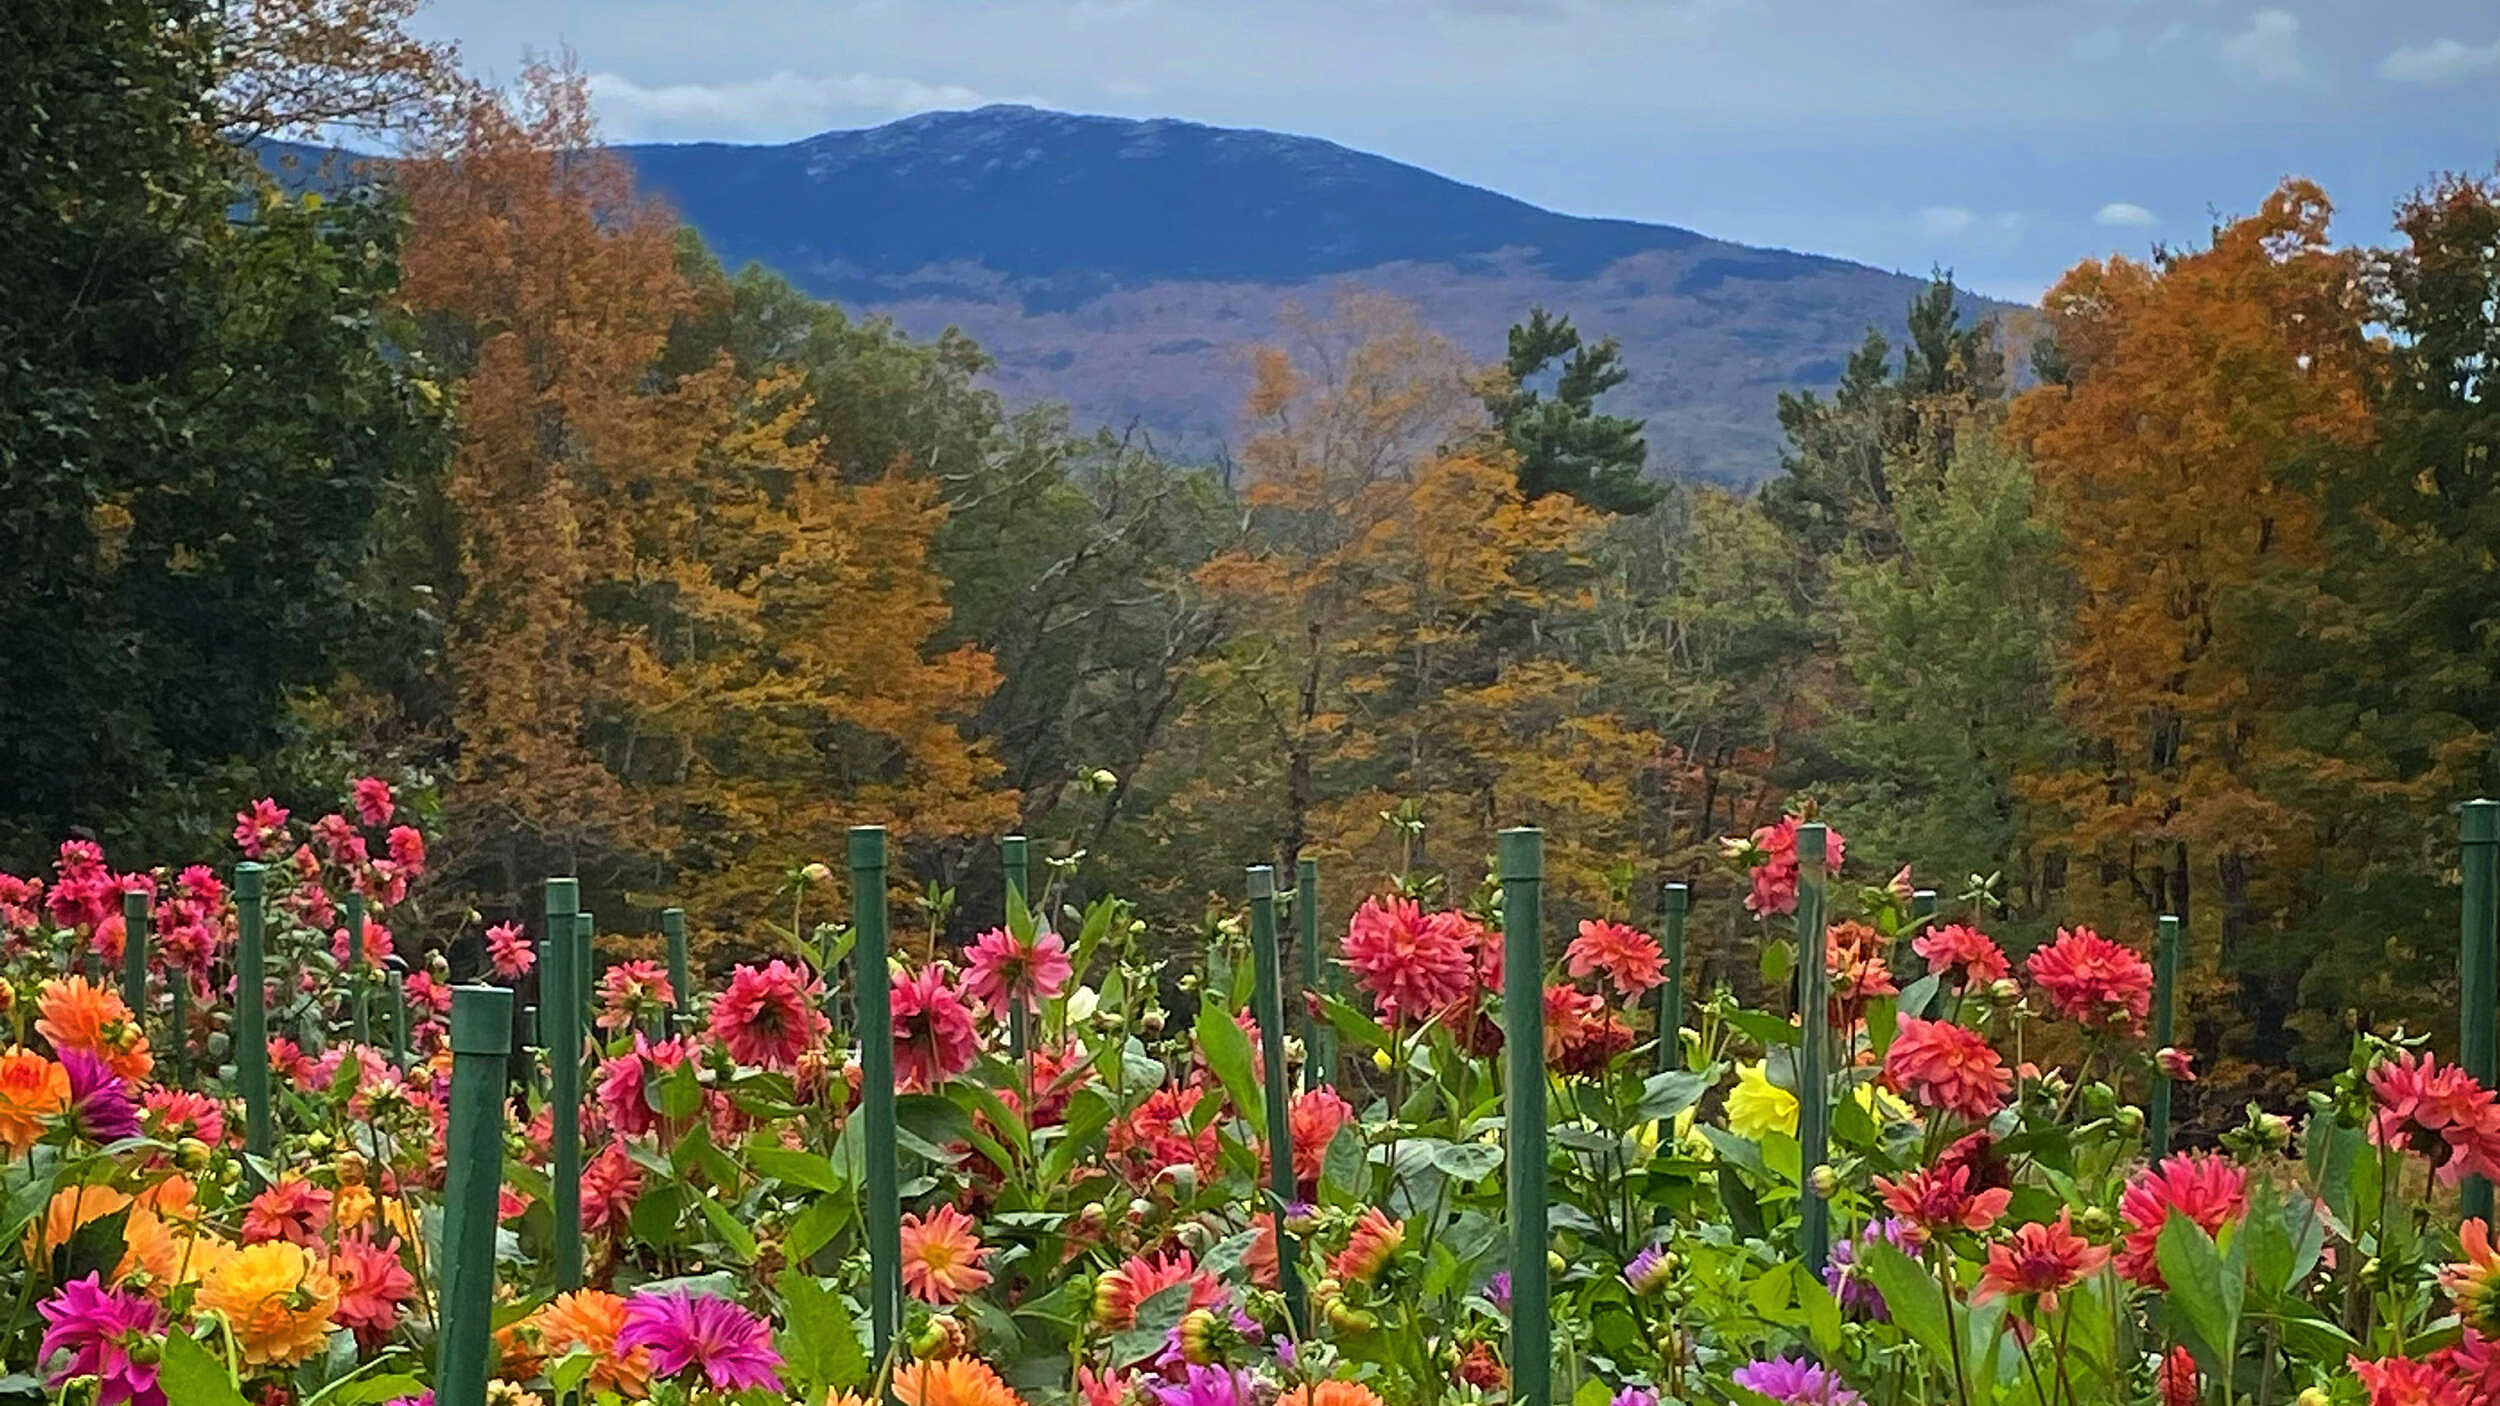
1560	442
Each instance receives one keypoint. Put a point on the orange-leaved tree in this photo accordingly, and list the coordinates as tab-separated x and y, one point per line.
2190	407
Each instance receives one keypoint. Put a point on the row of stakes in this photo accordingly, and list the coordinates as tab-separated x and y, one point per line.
482	1024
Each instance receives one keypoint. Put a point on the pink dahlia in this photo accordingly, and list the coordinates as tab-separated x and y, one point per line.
103	1331
632	992
2094	981
1412	963
998	969
2210	1191
2439	1112
1964	958
374	803
933	1034
1627	957
768	1016
686	1331
509	952
1939	1064
258	827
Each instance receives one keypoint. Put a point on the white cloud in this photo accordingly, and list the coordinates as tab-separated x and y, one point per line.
2122	214
1939	220
2439	61
781	107
2268	51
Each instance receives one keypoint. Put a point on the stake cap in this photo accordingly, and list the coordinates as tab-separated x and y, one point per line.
481	1020
2478	822
564	897
247	879
134	907
1813	844
1259	880
867	847
673	921
1521	853
1676	897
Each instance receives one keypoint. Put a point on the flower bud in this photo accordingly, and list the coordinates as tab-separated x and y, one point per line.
2312	1396
817	873
1380	1061
2097	1222
2005	991
2130	1120
1823	1180
1151	1023
1198	1329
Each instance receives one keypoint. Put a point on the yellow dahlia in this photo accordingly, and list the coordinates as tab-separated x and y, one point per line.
277	1298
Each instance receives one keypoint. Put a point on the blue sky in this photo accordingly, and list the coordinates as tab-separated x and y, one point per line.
2004	139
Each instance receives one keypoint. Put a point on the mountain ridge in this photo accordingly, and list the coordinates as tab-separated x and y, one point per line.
1126	266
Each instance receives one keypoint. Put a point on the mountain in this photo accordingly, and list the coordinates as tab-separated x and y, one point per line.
1124	266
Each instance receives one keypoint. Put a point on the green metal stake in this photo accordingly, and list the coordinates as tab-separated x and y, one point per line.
2165	981
399	1021
1674	901
680	977
884	1211
1814	1053
1522	861
356	968
586	969
135	954
481	1043
1922	915
527	1055
1015	859
1268	1007
557	997
251	1010
1319	1037
2478	833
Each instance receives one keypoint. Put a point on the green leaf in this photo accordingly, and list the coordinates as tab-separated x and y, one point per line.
1467	1161
821	1220
1668	1094
1912	1297
192	1375
1770	1031
795	1168
1156	1317
2204	1293
820	1338
1344	1174
1227	1052
734	1235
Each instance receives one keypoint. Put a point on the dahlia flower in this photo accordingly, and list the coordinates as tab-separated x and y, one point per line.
2041	1259
1939	1064
768	1016
1625	956
998	970
2094	981
102	1331
2211	1191
1964	958
686	1331
942	1254
934	1039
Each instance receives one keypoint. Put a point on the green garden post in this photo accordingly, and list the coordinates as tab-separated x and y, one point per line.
527	1055
1674	902
135	954
399	1021
1268	1006
558	1003
680	979
1922	914
884	1211
2165	984
1522	865
1015	861
1814	1046
2478	833
585	971
1319	1036
481	1045
251	1010
355	915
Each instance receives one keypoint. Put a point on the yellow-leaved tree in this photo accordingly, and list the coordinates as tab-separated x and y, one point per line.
1397	619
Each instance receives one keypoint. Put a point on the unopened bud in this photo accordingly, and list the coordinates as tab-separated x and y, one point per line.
1824	1181
2005	991
2130	1120
817	873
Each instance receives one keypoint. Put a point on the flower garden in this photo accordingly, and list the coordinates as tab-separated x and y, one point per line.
260	1149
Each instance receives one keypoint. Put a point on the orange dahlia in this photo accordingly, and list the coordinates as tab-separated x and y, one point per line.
32	1090
276	1298
2474	1284
589	1320
1331	1394
942	1256
1376	1238
957	1381
2041	1259
78	1015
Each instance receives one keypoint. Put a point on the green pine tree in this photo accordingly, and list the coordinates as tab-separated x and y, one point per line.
1564	445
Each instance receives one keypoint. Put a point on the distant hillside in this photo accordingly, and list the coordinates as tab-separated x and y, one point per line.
1125	266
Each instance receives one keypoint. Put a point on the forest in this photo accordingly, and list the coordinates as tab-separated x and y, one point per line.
473	470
